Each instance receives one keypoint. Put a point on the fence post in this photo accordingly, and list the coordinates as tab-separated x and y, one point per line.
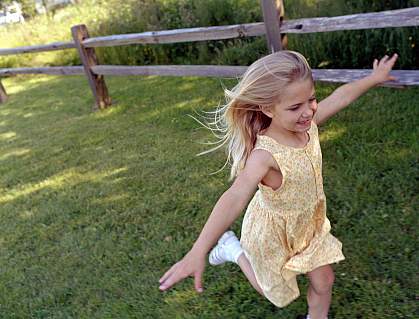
273	11
89	59
281	16
3	94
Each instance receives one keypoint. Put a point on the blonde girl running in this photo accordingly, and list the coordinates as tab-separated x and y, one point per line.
270	126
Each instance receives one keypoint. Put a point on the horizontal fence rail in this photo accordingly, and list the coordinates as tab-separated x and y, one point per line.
180	35
272	27
404	77
376	20
384	19
172	70
52	70
39	48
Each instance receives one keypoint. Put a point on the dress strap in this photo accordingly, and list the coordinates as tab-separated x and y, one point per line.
277	152
314	129
266	144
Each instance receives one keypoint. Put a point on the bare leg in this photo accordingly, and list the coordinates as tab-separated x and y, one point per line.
319	294
247	269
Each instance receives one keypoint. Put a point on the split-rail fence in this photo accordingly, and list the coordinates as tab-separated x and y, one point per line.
274	28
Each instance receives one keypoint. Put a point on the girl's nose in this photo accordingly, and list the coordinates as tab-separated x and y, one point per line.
310	110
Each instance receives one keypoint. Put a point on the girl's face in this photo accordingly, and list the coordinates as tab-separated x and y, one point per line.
297	107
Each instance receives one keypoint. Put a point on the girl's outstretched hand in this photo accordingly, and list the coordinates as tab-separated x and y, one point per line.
382	68
191	265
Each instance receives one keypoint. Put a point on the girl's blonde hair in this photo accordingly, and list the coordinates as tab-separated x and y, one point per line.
238	122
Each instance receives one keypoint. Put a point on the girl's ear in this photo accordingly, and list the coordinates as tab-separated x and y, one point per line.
266	110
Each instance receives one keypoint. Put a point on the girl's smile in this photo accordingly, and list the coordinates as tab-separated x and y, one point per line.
304	123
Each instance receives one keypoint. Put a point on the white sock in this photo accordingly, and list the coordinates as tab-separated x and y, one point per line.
233	249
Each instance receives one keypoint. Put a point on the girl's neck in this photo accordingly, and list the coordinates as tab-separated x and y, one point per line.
287	137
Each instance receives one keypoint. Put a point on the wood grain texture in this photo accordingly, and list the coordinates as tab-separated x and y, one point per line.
271	19
39	48
52	70
89	60
3	94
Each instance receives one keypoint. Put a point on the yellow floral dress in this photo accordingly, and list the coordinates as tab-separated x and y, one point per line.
285	232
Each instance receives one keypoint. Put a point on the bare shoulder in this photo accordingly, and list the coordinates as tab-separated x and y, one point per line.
261	158
256	167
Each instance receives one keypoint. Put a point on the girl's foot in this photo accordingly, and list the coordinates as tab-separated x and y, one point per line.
227	249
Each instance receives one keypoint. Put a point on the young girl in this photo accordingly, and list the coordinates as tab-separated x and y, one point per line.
270	126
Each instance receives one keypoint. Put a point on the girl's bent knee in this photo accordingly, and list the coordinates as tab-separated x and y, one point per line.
329	281
322	281
323	288
330	278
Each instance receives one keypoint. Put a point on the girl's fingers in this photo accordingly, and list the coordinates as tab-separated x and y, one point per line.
166	284
384	59
393	59
175	274
198	282
167	274
172	279
385	65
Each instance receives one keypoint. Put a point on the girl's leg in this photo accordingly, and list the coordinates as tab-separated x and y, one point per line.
319	292
247	269
229	249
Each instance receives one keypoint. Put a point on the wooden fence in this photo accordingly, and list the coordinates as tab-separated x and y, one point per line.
273	27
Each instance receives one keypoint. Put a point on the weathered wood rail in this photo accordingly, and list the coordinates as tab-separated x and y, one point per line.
39	48
384	19
273	27
404	77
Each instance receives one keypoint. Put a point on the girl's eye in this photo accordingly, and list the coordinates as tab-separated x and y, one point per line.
295	108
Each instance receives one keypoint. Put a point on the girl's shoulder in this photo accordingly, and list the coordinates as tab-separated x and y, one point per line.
262	157
266	143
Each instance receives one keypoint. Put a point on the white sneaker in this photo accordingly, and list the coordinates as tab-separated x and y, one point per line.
227	249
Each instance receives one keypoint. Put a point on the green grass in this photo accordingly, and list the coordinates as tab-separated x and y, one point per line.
94	207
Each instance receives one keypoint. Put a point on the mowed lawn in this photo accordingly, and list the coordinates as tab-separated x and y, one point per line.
95	206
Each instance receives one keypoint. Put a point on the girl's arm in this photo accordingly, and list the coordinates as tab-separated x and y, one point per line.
225	212
346	94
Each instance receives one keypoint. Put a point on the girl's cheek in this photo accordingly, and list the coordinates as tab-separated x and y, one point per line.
315	106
